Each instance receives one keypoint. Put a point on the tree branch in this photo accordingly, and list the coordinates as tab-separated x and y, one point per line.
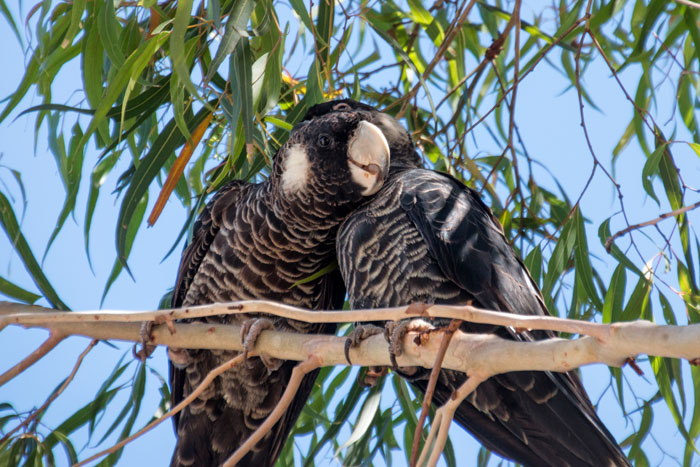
53	340
605	343
432	382
53	396
666	215
479	356
183	403
302	369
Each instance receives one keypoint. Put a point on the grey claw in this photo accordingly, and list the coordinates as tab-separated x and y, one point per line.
146	349
359	334
250	331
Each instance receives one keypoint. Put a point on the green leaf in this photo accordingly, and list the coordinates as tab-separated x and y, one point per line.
279	123
342	412
236	24
320	273
615	295
76	13
92	63
533	263
97	179
109	29
80	418
582	264
134	406
694	430
133	67
695	147
11	290
31	74
652	13
242	81
651	167
8	16
177	98
71	179
642	432
663	379
638	304
163	147
125	239
603	235
301	11
561	255
11	228
420	15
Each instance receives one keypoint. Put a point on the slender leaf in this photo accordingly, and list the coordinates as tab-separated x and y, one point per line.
11	228
237	22
11	290
164	146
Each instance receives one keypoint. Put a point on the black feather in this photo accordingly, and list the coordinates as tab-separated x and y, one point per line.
255	242
425	237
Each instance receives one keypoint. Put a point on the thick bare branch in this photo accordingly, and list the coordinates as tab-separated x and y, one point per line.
479	356
605	343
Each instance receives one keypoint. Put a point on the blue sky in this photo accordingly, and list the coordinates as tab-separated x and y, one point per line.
548	117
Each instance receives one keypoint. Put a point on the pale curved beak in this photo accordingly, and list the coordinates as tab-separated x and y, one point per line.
368	157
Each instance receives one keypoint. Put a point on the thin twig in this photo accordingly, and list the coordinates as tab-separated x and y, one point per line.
689	3
53	340
437	436
450	34
53	396
543	54
666	215
184	403
302	369
432	382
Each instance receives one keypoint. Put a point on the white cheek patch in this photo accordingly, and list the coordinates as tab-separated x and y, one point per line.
295	172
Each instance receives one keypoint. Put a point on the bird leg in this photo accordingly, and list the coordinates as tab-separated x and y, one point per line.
372	375
354	339
146	334
250	331
180	358
146	349
394	332
360	333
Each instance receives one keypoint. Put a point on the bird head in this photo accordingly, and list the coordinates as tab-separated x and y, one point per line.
403	152
333	159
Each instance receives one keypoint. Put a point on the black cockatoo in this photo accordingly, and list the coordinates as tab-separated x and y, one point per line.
257	241
426	237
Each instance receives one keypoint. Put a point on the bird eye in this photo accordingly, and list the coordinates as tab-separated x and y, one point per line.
342	106
324	140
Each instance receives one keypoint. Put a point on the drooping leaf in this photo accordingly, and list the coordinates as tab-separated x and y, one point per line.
164	146
12	290
21	247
